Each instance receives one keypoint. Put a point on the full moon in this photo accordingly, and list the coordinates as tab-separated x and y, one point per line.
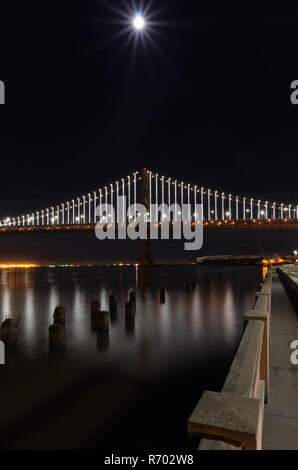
139	22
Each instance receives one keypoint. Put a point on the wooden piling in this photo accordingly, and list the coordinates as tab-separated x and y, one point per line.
56	336
102	321
132	300
129	318
95	309
113	305
162	294
59	315
103	340
8	332
129	310
132	297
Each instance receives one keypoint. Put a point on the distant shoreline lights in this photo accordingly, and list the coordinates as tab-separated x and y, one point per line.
26	266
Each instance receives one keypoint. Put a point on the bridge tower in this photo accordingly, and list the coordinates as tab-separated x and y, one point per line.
145	245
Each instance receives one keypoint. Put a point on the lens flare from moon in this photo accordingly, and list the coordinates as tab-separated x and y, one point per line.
139	22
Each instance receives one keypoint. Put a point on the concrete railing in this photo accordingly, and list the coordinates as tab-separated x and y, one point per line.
289	278
233	418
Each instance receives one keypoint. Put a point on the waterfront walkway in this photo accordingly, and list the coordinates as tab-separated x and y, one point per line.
280	430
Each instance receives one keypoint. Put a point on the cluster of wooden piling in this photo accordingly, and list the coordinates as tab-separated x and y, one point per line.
100	319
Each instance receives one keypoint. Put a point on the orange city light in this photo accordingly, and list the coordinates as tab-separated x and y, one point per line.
5	266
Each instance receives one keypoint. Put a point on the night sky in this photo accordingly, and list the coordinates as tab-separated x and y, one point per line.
206	98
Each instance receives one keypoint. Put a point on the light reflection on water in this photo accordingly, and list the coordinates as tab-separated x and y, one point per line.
172	350
213	309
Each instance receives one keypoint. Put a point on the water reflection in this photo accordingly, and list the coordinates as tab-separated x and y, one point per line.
265	272
103	340
29	316
130	326
187	322
11	354
53	300
56	357
144	364
6	301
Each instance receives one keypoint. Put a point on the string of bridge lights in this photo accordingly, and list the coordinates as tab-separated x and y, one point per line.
161	191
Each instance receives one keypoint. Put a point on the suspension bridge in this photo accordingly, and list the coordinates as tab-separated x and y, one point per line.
219	210
157	193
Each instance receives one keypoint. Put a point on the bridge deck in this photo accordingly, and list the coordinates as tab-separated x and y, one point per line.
256	224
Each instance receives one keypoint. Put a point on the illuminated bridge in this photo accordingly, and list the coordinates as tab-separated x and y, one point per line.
217	210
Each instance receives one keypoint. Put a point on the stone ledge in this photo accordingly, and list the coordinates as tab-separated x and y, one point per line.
255	314
227	416
243	374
